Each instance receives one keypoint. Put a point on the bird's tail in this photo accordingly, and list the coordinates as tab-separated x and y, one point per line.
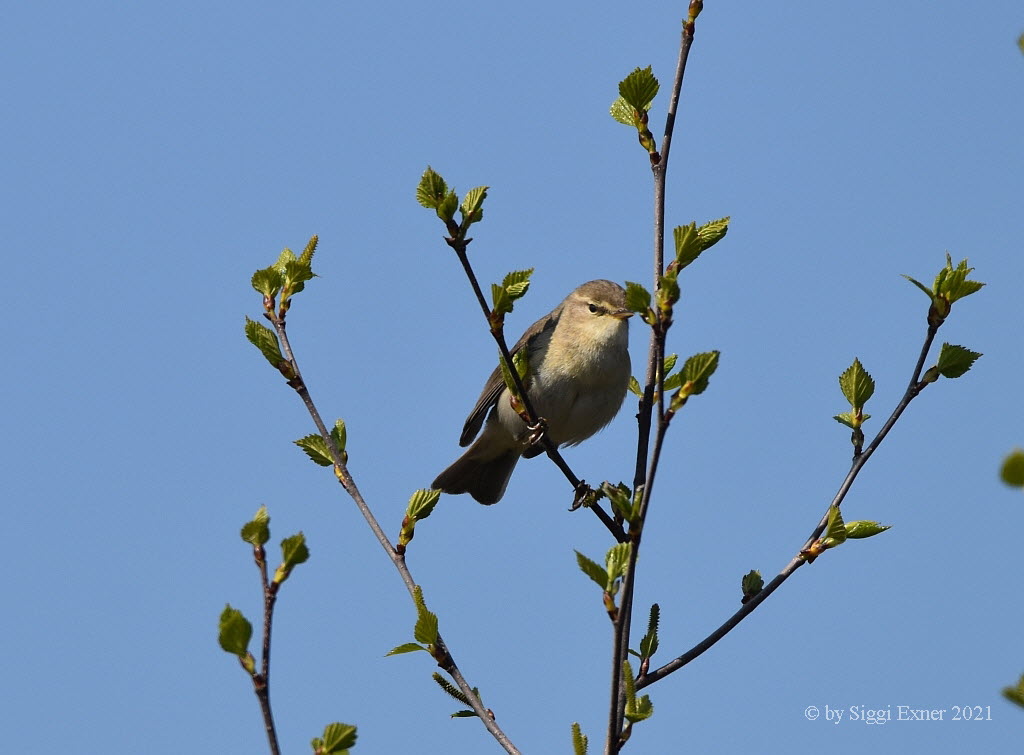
484	479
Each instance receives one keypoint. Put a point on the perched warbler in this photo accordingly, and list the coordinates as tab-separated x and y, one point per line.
578	372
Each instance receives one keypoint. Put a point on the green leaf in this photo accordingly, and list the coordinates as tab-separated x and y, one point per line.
624	113
673	381
337	739
432	189
407	647
422	503
268	281
316	450
751	584
691	241
294	550
516	284
649	643
698	370
927	291
257	530
616	561
639	88
579	740
954	361
264	339
235	632
952	284
637	708
472	206
448	205
864	528
1015	694
669	363
1012	471
620	498
856	384
634	387
426	622
339	434
500	300
593	570
835	530
638	298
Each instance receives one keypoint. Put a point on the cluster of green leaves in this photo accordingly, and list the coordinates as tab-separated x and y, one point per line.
625	502
690	242
288	275
421	505
637	708
434	194
951	284
316	448
636	95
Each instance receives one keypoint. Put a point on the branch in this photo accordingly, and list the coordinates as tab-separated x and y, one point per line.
914	388
261	681
346	480
654	384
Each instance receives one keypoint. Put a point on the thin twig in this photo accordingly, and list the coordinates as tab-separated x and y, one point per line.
654	385
914	388
346	480
261	681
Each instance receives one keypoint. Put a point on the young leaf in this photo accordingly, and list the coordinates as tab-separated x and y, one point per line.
954	361
634	387
751	584
863	528
624	113
698	370
264	339
615	562
593	570
407	647
1012	471
856	384
294	551
691	241
639	88
316	450
339	434
516	284
835	531
851	420
638	298
1016	694
637	708
472	205
235	632
447	206
337	740
422	503
426	622
431	190
257	530
268	281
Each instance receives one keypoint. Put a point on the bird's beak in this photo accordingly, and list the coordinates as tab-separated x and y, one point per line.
621	314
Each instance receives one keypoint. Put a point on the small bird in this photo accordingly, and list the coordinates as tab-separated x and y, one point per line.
577	377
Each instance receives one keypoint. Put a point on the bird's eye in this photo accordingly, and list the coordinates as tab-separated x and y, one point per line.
593	308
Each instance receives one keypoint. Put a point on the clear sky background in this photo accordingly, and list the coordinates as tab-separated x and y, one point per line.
155	155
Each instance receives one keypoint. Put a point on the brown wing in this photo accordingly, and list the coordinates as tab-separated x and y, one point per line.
495	383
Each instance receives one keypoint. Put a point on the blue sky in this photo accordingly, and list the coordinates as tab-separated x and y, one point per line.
156	155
